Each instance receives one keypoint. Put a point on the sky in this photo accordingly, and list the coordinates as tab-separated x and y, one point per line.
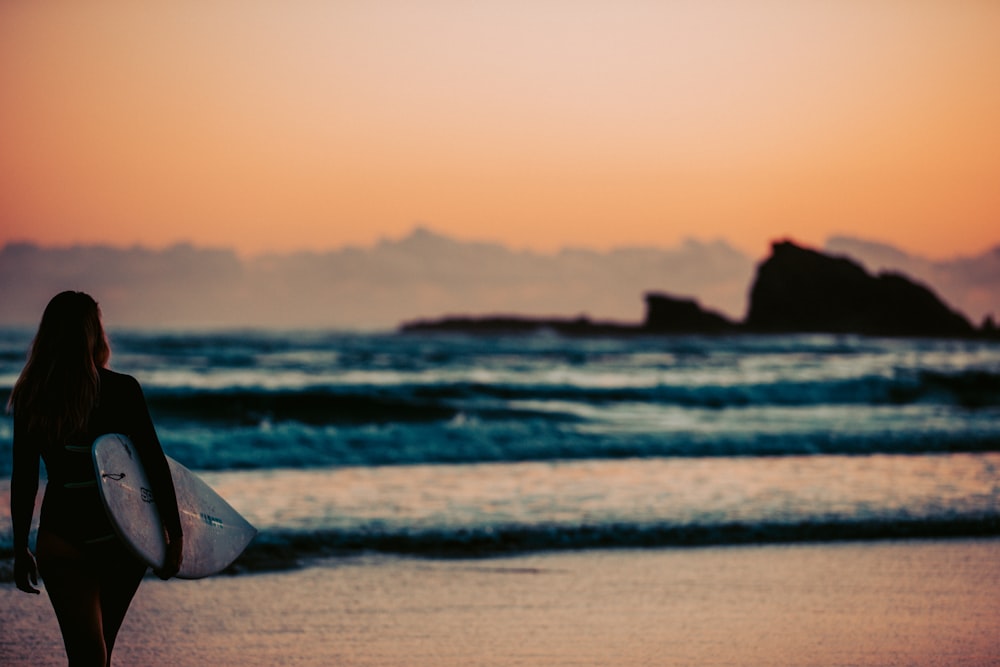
540	124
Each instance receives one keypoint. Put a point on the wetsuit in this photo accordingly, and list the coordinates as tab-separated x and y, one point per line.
72	507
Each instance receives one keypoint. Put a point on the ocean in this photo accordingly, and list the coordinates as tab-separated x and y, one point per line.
465	446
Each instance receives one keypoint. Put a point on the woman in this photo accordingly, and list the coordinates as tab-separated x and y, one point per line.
64	399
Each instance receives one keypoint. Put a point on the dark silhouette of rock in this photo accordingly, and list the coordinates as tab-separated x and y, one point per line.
514	324
669	314
798	290
665	314
969	284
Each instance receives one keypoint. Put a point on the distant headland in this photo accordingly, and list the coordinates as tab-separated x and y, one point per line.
795	290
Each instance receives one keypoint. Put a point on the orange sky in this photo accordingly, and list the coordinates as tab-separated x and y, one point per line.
270	126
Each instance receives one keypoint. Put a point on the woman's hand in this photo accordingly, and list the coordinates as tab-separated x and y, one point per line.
26	571
173	560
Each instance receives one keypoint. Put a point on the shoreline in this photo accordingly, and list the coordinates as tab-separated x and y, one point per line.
914	602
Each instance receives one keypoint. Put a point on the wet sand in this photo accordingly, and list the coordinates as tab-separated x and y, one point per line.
881	603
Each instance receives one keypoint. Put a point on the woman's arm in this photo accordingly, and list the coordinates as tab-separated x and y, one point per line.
155	462
23	490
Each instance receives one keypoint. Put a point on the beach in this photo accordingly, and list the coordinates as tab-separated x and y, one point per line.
920	602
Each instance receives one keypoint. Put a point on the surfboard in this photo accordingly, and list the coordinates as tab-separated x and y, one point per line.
214	533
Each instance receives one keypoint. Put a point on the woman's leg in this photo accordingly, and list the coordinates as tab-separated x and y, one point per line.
120	575
74	592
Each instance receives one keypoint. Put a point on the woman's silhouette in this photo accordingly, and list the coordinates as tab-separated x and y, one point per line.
64	399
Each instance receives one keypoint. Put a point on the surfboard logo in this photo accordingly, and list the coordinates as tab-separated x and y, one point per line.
213	521
146	495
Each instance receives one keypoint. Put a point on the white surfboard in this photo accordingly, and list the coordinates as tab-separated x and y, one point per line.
214	533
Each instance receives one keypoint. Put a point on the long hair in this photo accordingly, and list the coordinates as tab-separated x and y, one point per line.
60	384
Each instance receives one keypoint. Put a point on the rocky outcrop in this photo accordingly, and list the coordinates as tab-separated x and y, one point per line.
665	314
515	324
669	314
800	290
796	290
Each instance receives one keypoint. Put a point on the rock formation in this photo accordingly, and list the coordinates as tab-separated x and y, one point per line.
668	314
796	290
801	290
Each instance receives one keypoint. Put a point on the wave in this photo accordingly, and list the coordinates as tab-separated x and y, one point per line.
484	510
254	400
967	389
295	446
287	550
745	433
275	550
351	404
307	406
279	550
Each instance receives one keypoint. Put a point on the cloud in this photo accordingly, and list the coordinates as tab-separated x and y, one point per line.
424	274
